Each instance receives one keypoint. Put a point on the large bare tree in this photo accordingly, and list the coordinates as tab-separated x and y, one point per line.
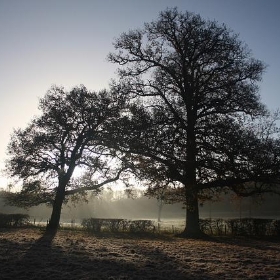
70	133
194	86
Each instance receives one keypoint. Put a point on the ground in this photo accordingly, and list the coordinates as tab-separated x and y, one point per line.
28	254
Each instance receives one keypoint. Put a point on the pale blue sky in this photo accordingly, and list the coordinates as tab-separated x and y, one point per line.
66	42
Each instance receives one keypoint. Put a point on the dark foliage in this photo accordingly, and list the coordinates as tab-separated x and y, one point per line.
71	132
196	117
241	227
13	220
117	225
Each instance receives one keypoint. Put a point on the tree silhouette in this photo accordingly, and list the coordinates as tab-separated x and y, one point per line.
70	133
196	109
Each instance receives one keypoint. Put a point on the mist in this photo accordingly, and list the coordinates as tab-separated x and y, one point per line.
117	205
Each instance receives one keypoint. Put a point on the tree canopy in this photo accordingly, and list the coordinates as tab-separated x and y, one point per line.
196	113
70	133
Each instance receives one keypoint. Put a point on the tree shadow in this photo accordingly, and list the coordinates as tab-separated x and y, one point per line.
45	258
132	235
261	243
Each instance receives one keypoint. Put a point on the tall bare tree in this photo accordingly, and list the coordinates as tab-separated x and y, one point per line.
194	86
70	133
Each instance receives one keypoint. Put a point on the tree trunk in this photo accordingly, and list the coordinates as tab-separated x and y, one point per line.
160	206
53	224
192	228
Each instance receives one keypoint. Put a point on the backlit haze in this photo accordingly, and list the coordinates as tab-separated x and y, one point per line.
66	43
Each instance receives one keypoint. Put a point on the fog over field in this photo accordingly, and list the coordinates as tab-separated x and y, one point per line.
109	205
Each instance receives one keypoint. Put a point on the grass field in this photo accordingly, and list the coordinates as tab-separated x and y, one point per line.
25	253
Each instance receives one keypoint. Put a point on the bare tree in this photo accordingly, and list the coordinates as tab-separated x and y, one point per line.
193	85
70	133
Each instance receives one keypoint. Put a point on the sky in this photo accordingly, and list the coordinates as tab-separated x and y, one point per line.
66	42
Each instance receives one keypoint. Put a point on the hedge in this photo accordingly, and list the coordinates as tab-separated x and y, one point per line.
242	227
117	225
13	220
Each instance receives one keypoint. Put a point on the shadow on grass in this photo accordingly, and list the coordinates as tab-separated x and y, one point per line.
131	235
32	254
46	258
252	242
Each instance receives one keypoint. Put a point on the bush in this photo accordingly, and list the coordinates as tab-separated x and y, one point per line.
117	225
213	226
239	226
275	227
92	224
249	226
13	220
141	226
242	227
205	226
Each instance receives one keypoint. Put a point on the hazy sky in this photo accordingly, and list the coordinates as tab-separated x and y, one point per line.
65	42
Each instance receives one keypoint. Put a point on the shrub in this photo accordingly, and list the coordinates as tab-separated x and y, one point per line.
242	227
141	226
250	226
275	227
92	224
117	225
205	226
13	220
213	226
